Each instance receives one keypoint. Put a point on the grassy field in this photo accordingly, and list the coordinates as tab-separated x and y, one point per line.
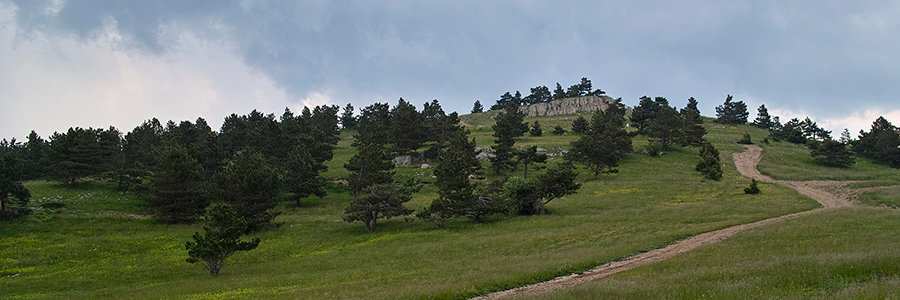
783	160
102	246
844	254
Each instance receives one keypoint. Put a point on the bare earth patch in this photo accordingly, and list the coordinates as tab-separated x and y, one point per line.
830	194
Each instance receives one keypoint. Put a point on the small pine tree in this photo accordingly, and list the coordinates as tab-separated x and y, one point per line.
176	185
710	164
529	156
407	130
753	189
605	143
665	128
536	129
745	140
580	125
221	238
558	130
477	108
382	201
693	124
763	120
455	189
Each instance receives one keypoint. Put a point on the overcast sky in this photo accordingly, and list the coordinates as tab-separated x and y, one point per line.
96	63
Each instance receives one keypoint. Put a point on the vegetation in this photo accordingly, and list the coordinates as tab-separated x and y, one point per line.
605	143
250	186
745	140
710	164
881	143
833	154
536	129
509	125
221	238
11	170
477	108
558	130
693	124
177	186
732	112
753	189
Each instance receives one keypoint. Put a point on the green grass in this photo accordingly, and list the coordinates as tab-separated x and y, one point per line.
848	253
784	160
96	248
889	197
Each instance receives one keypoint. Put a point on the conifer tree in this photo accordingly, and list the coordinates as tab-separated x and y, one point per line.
881	143
763	120
76	154
605	143
692	124
509	125
536	129
580	125
559	181
11	170
407	131
431	118
558	130
833	154
348	120
559	93
35	156
375	195
250	186
324	122
371	165
643	113
529	156
709	165
666	127
477	108
177	185
302	175
221	238
374	124
455	189
732	112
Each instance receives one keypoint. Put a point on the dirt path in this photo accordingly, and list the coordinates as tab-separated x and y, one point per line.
830	194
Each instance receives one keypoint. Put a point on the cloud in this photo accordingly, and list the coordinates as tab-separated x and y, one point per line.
51	81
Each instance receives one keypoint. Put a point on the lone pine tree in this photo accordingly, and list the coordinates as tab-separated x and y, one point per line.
509	125
250	186
221	238
709	164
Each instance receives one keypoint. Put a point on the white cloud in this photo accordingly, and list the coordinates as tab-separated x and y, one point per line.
859	120
52	82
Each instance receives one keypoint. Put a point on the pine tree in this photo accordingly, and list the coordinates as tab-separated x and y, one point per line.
536	129
881	143
692	124
477	108
371	165
382	201
431	116
445	126
504	100
605	143
348	120
580	125
709	165
35	155
75	154
529	156
221	238
763	120
509	125
137	147
11	171
559	93
558	130
250	185
455	189
643	113
303	174
324	122
732	112
833	154
558	182
753	189
176	185
407	130
666	127
374	124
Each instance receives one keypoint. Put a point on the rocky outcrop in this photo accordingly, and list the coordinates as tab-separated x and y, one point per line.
568	106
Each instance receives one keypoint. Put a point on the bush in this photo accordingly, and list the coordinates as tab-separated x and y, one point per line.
558	130
745	140
522	195
710	164
753	189
654	149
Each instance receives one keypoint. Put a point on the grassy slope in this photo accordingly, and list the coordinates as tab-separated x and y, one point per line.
849	253
651	202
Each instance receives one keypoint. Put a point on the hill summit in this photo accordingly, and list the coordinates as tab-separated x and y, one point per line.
568	106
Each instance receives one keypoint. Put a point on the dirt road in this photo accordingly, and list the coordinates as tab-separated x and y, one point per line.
830	194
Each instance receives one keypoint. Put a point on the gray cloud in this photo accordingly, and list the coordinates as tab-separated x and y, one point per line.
825	58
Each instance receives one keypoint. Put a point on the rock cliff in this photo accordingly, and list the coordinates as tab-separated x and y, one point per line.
568	106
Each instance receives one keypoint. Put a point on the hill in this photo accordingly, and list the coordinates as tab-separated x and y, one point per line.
102	245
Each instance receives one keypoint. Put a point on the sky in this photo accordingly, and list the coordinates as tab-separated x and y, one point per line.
98	63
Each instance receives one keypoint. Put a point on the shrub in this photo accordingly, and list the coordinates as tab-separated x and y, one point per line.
753	189
745	140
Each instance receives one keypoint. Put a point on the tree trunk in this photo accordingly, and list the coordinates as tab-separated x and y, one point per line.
214	266
4	202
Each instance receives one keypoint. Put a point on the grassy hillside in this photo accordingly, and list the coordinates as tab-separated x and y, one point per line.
101	245
849	253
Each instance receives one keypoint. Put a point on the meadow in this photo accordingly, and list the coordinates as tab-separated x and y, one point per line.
103	245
